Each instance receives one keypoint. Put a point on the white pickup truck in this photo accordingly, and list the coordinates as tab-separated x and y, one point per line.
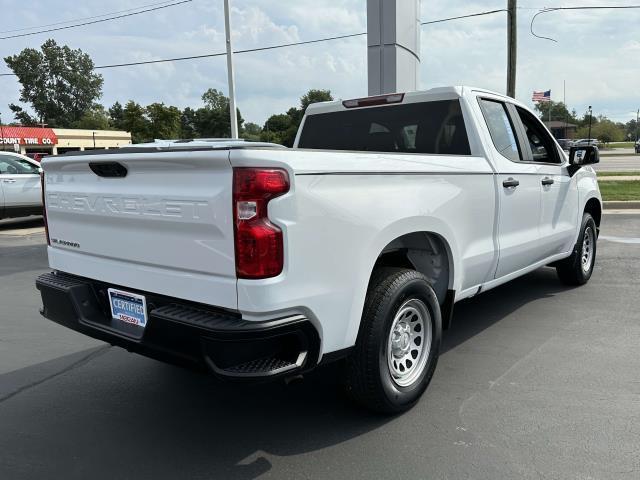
254	261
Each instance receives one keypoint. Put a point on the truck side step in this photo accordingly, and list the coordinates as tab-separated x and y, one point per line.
261	367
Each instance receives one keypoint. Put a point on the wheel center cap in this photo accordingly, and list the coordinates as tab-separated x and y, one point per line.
401	340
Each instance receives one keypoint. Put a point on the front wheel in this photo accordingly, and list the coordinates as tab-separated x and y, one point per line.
578	268
398	343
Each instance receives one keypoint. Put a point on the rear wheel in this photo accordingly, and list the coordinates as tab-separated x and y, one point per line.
578	268
398	343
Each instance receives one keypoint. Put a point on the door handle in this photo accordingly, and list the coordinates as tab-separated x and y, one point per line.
510	183
9	180
547	181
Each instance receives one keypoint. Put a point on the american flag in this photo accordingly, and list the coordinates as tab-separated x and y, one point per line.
542	96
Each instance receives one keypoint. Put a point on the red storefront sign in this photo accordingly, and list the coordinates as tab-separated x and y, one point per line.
27	136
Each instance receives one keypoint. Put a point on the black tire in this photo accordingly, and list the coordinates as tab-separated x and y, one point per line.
572	270
369	380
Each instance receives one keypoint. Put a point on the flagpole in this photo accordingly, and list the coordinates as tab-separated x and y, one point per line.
564	100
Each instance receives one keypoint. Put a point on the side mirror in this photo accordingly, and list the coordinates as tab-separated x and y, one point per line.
584	155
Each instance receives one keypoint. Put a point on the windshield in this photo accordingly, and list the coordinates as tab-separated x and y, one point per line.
427	127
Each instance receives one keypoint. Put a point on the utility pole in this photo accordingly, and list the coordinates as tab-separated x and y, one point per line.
232	85
512	47
637	117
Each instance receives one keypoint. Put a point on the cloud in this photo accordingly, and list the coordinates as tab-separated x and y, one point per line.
597	51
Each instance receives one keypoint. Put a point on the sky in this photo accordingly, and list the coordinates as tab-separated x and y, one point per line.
597	53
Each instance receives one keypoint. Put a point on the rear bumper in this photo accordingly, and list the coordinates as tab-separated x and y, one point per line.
184	333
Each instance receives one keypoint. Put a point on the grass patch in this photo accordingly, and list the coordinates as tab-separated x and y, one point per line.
619	174
621	145
621	191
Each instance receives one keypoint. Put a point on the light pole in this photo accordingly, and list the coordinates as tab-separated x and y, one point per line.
232	85
590	117
637	117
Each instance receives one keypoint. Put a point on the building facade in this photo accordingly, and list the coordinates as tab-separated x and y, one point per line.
562	129
52	141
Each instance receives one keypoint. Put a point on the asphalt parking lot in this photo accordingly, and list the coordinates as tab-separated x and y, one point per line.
536	380
618	163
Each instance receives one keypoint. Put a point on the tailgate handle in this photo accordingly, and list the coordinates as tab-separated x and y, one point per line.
108	169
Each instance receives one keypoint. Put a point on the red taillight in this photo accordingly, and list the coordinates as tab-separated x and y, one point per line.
258	242
44	208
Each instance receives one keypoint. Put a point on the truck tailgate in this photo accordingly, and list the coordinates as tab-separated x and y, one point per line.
166	227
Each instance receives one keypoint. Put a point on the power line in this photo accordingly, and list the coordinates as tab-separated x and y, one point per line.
555	9
91	22
479	14
270	47
220	54
84	18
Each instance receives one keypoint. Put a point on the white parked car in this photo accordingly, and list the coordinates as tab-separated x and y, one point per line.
254	261
20	190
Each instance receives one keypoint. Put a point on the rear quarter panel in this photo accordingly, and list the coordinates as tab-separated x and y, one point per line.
345	207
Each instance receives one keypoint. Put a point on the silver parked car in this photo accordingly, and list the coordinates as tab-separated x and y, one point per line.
20	189
565	143
587	141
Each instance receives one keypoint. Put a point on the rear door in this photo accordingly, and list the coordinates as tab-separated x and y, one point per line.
20	181
518	188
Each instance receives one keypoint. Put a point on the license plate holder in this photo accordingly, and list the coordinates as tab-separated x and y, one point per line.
128	307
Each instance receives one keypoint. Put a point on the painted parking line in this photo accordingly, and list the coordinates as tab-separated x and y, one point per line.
621	211
22	232
632	240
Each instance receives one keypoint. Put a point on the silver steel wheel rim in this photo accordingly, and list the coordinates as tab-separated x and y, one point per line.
409	342
588	242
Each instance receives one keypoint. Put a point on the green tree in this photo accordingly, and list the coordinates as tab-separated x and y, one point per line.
116	116
282	128
164	121
214	120
632	129
559	112
135	121
95	119
251	131
314	96
188	123
57	82
603	129
215	100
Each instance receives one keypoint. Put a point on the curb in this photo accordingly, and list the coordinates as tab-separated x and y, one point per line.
617	154
619	205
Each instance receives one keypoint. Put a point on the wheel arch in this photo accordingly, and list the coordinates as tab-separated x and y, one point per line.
384	243
594	207
424	251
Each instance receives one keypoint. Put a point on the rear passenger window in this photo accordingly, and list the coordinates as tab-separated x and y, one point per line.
425	127
501	129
